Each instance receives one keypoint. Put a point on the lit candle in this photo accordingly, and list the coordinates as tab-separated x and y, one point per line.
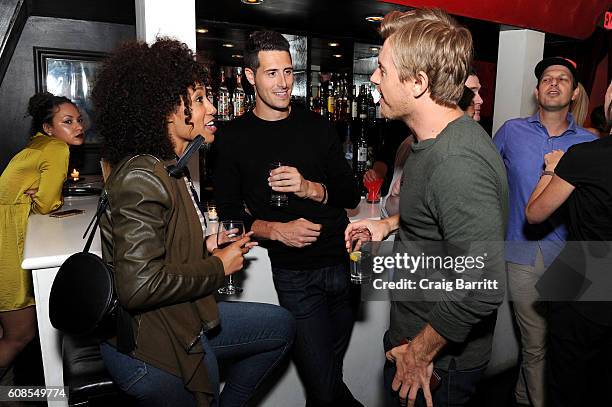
74	174
212	214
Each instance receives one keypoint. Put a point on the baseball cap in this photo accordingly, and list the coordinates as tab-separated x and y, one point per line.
546	62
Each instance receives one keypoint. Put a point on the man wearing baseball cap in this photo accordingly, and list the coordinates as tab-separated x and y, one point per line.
522	144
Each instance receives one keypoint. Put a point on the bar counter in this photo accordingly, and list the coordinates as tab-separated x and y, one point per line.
50	241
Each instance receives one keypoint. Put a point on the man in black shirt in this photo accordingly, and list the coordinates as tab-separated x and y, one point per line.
580	314
306	243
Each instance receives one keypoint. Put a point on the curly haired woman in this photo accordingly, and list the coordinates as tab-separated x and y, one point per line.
151	102
31	183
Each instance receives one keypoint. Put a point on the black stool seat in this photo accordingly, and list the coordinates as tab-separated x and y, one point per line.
84	372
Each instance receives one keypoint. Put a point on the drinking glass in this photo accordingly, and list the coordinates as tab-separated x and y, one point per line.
278	199
228	232
360	267
373	188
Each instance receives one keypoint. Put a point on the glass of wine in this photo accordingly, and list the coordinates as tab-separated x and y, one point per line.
228	232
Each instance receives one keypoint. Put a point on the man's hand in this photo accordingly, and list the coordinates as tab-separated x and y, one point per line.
378	170
552	159
289	179
413	372
370	176
414	364
365	230
297	233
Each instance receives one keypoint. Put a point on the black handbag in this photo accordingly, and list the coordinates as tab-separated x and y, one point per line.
83	300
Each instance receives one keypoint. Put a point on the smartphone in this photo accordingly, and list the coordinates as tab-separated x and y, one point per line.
434	381
69	212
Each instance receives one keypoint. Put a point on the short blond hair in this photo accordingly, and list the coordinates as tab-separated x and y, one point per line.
431	41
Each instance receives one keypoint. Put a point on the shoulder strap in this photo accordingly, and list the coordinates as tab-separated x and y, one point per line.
102	203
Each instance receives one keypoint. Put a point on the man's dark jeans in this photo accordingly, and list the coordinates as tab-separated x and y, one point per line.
455	389
320	301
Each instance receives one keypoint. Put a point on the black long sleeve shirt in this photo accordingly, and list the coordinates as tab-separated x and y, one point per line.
245	149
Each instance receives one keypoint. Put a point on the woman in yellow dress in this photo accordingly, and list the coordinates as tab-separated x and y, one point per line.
31	183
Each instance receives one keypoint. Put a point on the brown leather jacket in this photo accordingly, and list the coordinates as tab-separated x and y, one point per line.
152	236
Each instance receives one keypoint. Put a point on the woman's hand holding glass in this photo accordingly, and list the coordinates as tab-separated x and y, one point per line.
231	256
232	245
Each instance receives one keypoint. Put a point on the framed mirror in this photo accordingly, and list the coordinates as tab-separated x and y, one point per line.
71	73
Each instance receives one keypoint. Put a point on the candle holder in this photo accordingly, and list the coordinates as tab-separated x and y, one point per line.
74	175
211	210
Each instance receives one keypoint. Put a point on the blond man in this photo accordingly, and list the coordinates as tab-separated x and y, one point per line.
457	192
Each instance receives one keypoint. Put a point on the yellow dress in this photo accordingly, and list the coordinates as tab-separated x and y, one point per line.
42	164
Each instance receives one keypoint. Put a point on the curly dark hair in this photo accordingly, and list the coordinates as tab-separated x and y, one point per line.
42	107
138	87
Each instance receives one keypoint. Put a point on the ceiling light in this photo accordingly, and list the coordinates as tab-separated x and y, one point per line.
228	45
236	56
337	55
249	2
374	19
374	49
202	30
333	44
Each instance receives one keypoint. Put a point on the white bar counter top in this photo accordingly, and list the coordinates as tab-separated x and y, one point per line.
49	241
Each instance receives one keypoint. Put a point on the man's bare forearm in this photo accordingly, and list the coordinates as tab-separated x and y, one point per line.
392	223
315	191
428	343
263	229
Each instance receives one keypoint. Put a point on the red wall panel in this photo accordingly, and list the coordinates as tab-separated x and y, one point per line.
571	18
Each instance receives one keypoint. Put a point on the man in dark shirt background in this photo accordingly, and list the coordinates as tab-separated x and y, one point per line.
305	238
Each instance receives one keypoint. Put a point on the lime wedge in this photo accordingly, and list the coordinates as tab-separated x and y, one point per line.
355	256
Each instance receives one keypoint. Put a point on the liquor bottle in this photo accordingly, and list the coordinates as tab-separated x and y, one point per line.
249	102
346	100
239	95
347	146
361	150
210	94
341	101
354	103
223	102
362	102
316	101
331	102
371	107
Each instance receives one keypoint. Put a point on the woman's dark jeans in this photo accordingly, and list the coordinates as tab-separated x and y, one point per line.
253	338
